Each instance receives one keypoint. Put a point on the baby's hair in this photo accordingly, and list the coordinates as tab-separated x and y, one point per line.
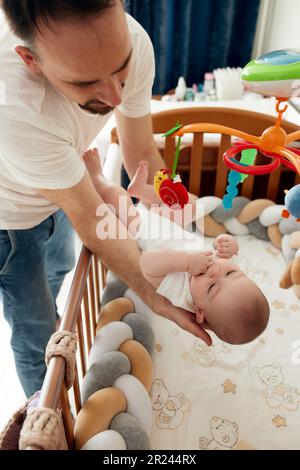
247	321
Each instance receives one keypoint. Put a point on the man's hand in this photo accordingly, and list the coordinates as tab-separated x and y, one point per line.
184	319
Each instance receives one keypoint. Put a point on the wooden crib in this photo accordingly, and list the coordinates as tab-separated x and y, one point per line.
83	304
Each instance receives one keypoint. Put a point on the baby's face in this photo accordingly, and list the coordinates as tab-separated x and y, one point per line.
214	292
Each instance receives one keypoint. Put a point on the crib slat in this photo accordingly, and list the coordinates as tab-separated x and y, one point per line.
247	187
81	343
76	390
92	312
87	318
222	170
97	286
273	184
196	164
67	417
169	151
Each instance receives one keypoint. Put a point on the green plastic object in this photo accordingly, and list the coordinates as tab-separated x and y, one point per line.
277	65
176	158
248	158
173	130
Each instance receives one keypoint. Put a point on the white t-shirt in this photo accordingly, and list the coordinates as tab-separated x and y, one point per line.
158	232
43	135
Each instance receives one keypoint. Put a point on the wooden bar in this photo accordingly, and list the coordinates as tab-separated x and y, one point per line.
97	285
196	164
67	417
87	308
247	187
169	153
76	390
273	184
81	344
222	170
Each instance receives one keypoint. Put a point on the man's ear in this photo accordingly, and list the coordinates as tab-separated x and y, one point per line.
29	58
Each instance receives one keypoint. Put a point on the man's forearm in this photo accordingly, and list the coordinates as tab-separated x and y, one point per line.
152	156
119	255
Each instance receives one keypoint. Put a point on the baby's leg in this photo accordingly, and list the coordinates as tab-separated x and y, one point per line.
145	192
111	193
140	189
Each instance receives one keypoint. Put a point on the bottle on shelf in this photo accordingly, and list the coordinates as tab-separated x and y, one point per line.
209	86
180	90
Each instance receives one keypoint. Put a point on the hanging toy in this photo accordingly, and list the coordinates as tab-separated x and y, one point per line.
274	74
171	190
234	177
292	203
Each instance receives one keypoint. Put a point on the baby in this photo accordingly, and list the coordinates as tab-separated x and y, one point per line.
207	283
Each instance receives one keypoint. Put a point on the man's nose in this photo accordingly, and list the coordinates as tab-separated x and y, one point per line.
112	94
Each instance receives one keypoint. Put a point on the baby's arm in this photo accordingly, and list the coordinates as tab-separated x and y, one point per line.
156	264
226	246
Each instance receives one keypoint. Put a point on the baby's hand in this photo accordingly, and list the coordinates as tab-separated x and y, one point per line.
200	262
226	246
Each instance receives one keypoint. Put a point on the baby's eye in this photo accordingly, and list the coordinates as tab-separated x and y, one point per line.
210	287
229	272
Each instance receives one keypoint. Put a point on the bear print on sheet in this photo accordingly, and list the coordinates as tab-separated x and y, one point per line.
169	409
277	392
204	355
224	435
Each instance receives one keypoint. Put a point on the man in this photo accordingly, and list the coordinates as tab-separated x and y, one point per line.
76	63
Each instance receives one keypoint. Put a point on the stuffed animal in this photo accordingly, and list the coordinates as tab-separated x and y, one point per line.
291	276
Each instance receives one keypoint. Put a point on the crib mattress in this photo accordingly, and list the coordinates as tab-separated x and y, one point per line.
230	397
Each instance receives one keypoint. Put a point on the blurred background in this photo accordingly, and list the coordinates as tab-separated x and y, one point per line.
192	37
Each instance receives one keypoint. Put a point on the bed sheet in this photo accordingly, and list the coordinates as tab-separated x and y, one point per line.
230	397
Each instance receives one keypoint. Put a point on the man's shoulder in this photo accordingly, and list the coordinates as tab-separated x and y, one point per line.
139	35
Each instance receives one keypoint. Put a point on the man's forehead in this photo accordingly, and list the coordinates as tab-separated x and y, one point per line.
78	43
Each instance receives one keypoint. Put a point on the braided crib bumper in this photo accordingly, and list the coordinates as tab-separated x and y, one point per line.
116	409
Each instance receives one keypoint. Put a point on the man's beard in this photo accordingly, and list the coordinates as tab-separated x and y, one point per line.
96	107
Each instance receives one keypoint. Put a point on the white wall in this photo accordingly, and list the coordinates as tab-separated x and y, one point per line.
278	26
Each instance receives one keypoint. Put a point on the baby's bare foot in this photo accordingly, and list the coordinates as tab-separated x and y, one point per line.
139	180
92	162
226	246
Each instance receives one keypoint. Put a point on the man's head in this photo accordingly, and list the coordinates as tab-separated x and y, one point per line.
82	47
229	303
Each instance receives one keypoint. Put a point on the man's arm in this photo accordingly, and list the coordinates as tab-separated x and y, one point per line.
81	204
137	144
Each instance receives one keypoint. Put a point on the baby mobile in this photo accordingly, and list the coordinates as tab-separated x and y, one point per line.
274	74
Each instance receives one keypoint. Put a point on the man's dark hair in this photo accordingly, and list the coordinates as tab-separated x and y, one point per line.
23	15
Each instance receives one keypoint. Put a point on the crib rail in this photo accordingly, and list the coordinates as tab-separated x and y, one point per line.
80	316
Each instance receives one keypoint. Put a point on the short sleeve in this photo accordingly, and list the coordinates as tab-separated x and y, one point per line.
175	287
38	158
138	88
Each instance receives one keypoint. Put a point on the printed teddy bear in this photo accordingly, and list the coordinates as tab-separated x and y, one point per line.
170	409
224	435
277	392
205	356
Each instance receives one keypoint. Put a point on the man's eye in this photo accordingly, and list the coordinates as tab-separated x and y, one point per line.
210	287
229	272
